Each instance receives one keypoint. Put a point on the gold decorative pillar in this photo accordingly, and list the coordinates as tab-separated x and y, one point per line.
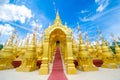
65	54
53	50
70	65
75	49
44	69
39	50
50	51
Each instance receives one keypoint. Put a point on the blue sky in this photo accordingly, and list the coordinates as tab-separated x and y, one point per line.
23	15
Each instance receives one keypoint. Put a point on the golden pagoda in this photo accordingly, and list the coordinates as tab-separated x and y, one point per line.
90	48
15	47
39	49
23	48
85	62
20	54
107	55
94	51
7	56
75	49
117	51
99	50
29	60
57	35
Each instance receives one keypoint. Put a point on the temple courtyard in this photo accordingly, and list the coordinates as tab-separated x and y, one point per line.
59	40
102	74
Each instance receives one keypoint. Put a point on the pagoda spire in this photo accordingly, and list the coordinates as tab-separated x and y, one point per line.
57	19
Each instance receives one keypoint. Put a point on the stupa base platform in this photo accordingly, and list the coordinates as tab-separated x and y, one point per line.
87	68
96	62
4	67
71	70
17	63
44	70
111	66
26	69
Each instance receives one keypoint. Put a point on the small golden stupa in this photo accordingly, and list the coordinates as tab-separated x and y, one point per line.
39	49
20	48
107	55
75	49
85	62
7	56
29	60
117	51
15	47
90	49
99	50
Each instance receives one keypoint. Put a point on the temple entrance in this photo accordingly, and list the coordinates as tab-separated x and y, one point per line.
57	39
57	43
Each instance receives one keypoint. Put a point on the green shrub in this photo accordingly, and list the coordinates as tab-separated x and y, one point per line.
1	46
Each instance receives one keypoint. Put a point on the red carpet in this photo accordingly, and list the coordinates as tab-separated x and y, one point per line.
57	70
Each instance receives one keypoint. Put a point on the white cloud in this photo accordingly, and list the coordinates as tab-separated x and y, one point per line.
102	4
100	8
96	1
6	29
84	11
11	12
100	15
108	21
93	43
36	24
4	1
20	26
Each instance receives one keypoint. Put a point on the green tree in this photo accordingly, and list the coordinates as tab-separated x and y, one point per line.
1	46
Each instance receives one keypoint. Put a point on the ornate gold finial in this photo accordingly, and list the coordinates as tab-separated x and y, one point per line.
12	38
78	27
57	20
54	6
101	37
100	33
16	42
86	35
97	42
81	39
114	40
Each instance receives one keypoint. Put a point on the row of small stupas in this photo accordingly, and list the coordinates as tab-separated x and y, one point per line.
83	53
